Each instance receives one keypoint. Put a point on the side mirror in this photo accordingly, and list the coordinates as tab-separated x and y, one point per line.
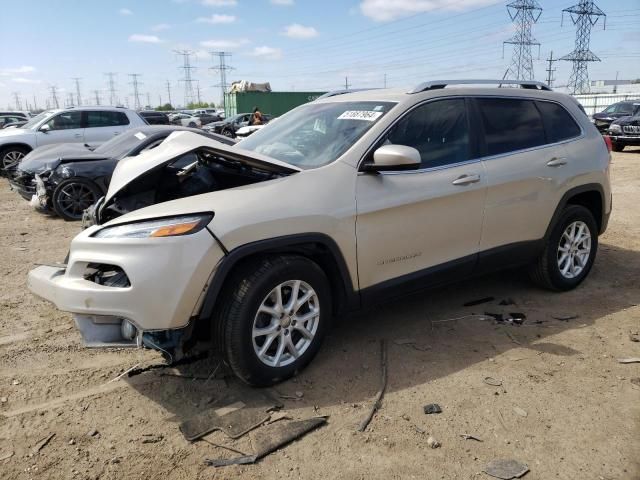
45	128
393	157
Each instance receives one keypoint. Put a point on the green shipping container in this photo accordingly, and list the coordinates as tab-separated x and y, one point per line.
272	103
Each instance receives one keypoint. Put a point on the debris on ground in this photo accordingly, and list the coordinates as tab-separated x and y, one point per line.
514	318
43	443
279	415
506	469
419	430
271	438
493	381
520	411
466	436
634	336
235	415
473	303
507	301
383	386
151	438
4	399
92	433
629	360
566	317
433	443
6	456
432	408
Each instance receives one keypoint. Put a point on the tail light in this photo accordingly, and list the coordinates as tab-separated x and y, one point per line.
607	141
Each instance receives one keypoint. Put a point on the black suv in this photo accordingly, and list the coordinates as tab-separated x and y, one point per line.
155	118
603	119
625	131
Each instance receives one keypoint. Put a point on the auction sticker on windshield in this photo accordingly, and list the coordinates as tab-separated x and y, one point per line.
367	115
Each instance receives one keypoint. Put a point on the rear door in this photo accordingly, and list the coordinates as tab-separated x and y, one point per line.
526	167
103	125
65	127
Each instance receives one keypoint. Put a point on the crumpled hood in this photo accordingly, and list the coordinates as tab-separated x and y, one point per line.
180	143
49	156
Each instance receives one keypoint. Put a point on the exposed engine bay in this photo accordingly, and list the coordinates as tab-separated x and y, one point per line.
194	173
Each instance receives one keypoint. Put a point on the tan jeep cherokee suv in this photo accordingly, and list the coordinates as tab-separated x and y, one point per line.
342	202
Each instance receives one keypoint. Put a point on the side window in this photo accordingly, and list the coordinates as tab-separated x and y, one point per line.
559	124
625	108
611	108
106	119
438	130
66	121
510	124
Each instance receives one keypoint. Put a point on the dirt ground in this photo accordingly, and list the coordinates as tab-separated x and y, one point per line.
566	407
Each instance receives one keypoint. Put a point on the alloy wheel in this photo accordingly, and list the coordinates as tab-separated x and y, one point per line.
75	198
286	323
11	159
574	249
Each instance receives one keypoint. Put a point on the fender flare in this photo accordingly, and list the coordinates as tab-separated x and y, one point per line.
297	243
588	187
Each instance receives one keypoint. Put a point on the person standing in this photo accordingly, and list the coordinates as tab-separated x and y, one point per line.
256	117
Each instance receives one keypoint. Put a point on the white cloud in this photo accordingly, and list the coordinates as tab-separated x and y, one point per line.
219	3
295	30
268	53
5	72
160	27
285	3
25	80
137	37
385	10
217	18
125	11
224	44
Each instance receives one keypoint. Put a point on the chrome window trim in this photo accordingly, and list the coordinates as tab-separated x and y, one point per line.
475	160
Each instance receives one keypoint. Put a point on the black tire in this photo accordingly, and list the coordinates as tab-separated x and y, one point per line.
71	209
192	125
7	164
617	147
227	132
246	291
545	271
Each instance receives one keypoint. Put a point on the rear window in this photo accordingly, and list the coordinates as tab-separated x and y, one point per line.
510	125
106	119
559	123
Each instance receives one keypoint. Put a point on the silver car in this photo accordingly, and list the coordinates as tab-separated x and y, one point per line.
341	203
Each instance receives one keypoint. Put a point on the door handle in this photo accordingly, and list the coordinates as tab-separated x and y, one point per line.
557	162
466	180
78	135
116	133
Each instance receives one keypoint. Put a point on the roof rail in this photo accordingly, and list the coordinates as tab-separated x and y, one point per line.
438	84
333	93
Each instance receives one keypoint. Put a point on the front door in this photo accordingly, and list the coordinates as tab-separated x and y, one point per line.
414	223
66	127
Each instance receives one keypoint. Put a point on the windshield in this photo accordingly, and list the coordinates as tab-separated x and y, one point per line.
121	145
35	120
316	134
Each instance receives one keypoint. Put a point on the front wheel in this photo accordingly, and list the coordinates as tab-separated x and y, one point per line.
273	318
73	196
617	147
10	157
570	251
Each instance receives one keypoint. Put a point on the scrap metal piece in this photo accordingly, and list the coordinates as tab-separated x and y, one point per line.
506	469
492	381
432	408
383	386
466	436
629	360
235	415
271	438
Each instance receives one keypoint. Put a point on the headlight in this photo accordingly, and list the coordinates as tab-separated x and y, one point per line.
615	128
162	227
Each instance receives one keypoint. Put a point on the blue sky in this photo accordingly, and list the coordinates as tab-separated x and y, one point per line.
293	44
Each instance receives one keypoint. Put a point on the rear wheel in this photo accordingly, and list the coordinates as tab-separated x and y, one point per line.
570	251
273	318
11	156
73	196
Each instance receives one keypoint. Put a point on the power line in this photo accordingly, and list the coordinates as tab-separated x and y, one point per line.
346	83
187	79
523	13
97	96
17	100
70	99
584	15
136	89
169	91
148	100
78	96
198	90
222	69
113	99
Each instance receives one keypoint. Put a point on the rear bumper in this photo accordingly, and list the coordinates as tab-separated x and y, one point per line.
167	278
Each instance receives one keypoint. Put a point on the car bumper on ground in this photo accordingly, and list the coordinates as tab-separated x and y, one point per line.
166	283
